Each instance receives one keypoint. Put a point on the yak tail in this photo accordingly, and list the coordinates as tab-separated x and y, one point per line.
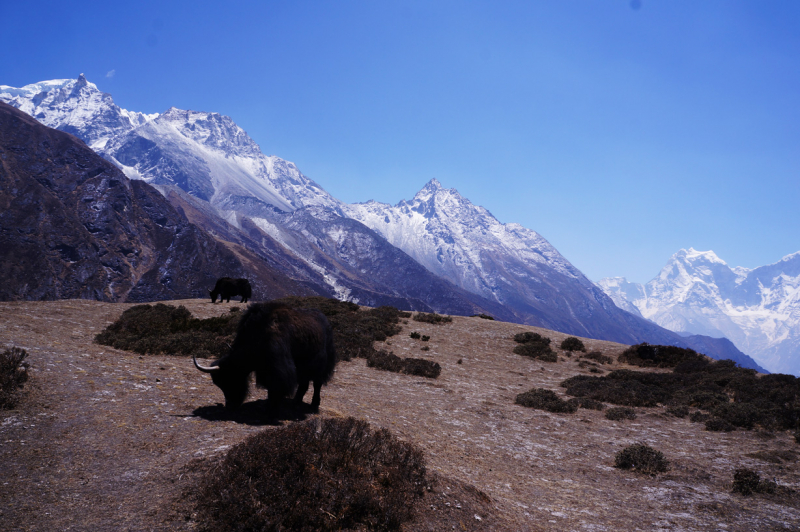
330	352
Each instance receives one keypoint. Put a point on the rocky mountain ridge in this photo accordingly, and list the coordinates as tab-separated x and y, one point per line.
73	226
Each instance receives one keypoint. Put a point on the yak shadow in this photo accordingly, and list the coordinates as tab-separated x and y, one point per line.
256	413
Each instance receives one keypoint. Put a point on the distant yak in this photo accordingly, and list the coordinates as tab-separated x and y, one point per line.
227	287
286	348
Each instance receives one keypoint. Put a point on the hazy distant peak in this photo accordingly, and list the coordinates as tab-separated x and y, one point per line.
791	256
692	255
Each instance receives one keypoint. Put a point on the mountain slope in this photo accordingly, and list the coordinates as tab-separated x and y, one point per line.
73	226
437	252
697	292
249	199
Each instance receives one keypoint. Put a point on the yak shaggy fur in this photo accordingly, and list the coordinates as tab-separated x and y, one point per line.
227	287
286	348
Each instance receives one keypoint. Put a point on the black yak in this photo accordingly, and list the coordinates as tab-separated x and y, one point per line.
285	347
228	287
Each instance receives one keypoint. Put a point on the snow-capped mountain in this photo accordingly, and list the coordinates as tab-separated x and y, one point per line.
250	199
211	157
461	241
73	226
506	263
436	252
698	293
75	106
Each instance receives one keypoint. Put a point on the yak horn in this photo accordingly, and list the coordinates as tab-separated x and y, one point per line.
203	368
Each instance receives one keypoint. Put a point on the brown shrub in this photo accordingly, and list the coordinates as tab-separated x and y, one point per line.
570	343
410	366
13	375
538	351
544	399
434	318
531	337
641	458
166	329
620	413
660	356
736	395
716	424
321	474
678	411
597	356
585	402
746	481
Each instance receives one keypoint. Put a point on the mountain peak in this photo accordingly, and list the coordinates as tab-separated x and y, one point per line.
433	184
692	255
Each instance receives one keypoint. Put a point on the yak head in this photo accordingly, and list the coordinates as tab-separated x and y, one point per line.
213	294
232	381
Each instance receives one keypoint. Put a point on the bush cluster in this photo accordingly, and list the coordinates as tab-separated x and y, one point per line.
597	356
544	399
737	396
410	366
746	481
354	330
415	335
716	424
13	375
641	458
678	411
320	474
659	356
432	318
484	316
585	402
570	343
534	345
166	329
620	413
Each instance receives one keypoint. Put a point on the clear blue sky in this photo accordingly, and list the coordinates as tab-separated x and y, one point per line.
620	130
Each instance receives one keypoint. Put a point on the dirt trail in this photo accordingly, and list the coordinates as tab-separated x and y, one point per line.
107	440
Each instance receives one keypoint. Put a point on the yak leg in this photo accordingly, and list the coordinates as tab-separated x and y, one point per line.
302	388
273	403
315	400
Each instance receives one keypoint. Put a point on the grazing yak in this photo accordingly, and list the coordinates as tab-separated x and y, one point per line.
285	347
228	287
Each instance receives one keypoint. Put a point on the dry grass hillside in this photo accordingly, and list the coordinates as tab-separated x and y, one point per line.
110	440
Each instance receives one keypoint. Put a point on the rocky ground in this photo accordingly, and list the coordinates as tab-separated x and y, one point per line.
110	440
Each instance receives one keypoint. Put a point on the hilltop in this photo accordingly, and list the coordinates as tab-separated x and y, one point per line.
106	439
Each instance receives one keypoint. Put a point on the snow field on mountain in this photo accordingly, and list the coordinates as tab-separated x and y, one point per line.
697	292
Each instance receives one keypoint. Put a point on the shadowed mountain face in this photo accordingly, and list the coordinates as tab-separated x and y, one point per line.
73	226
